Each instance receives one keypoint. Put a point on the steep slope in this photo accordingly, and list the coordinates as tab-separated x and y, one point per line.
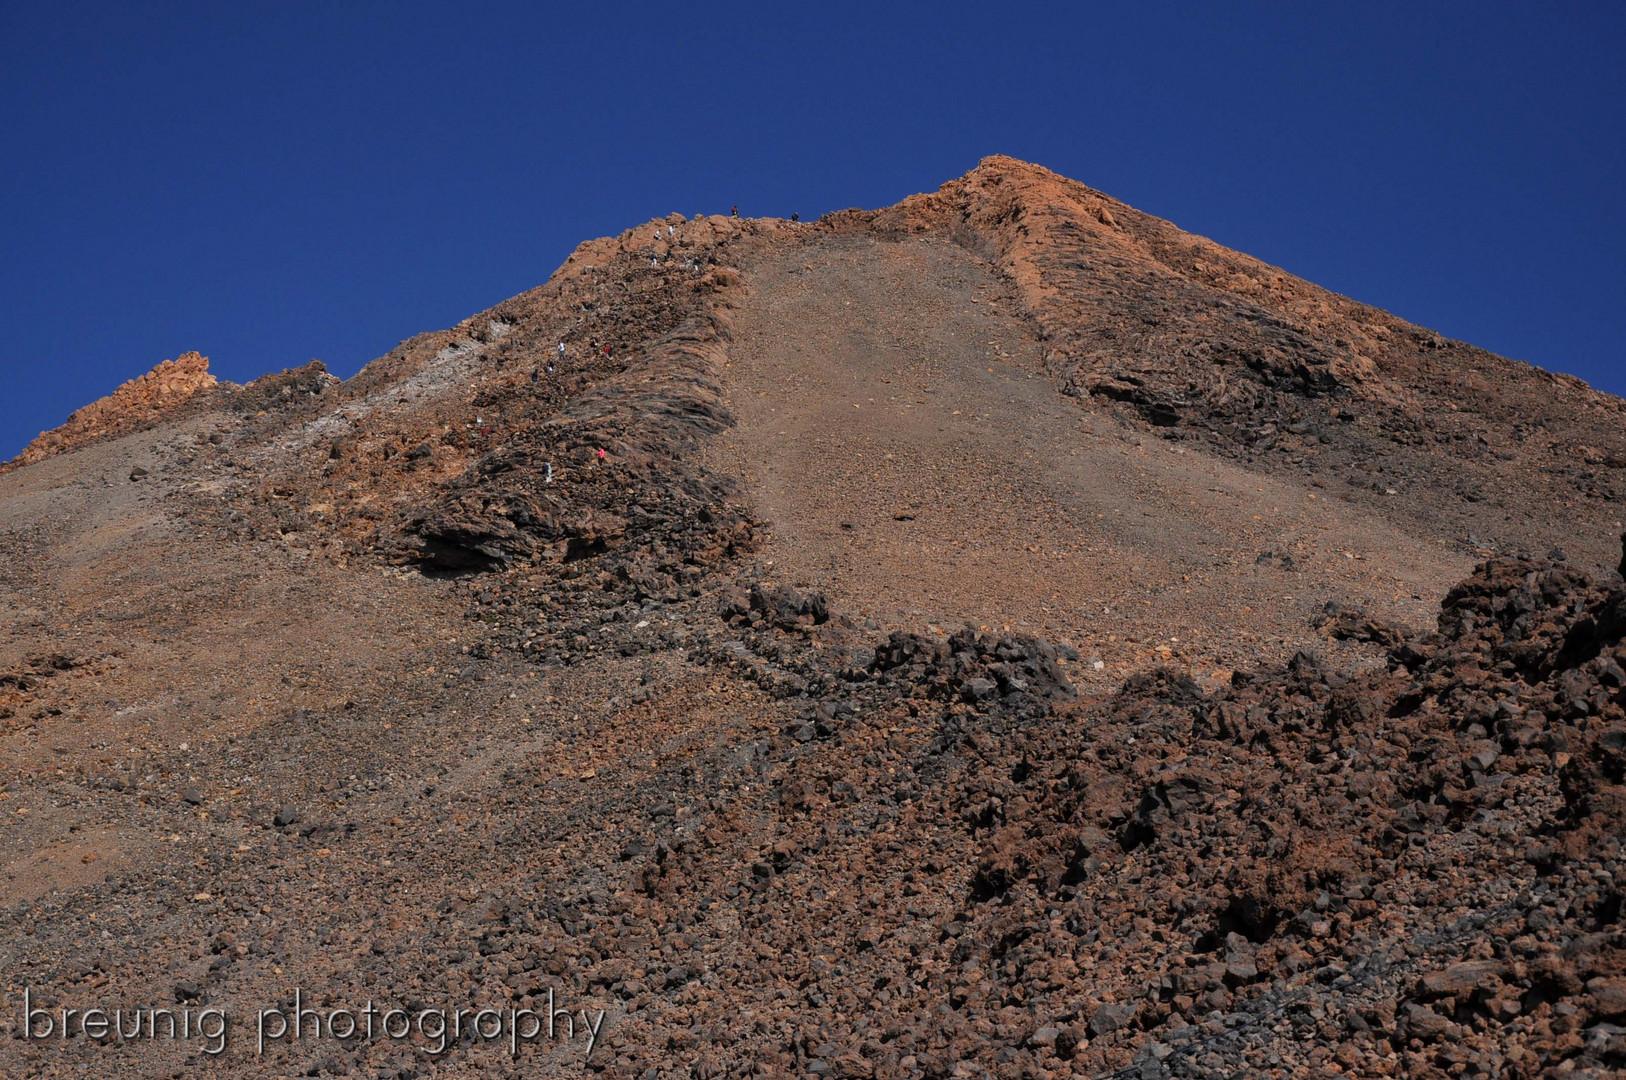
632	677
1215	347
896	426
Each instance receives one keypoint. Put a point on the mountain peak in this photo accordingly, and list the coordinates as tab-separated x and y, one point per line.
998	634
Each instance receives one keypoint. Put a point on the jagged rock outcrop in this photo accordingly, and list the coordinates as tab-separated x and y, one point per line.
137	404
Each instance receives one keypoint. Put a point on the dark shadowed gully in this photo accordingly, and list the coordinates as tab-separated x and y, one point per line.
998	635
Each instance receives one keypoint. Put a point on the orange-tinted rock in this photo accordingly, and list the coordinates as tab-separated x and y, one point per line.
138	403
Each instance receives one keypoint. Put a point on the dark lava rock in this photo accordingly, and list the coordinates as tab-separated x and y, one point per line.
1109	1018
1017	670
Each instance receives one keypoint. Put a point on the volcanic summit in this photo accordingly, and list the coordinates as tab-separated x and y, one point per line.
996	635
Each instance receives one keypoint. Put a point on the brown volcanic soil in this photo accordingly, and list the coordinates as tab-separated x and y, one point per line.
896	426
1213	346
326	685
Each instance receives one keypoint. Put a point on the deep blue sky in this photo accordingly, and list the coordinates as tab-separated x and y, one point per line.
267	183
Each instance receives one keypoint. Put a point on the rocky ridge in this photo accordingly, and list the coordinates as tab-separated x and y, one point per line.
139	403
1209	345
